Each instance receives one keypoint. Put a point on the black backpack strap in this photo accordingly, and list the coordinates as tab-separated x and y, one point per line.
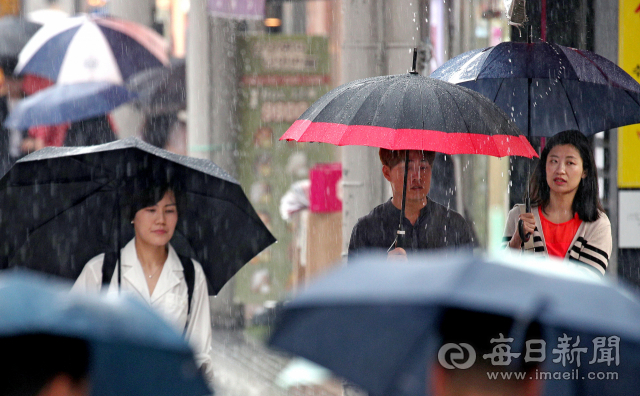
108	268
189	277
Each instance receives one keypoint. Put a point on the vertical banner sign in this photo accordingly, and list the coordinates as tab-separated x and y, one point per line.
629	60
281	76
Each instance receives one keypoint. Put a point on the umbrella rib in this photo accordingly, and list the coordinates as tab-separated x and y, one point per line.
356	113
570	104
459	112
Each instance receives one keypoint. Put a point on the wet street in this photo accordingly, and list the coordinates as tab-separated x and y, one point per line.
244	367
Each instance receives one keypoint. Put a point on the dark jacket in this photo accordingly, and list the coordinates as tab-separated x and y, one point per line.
436	227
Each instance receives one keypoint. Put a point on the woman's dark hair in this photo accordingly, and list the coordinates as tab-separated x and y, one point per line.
150	196
586	201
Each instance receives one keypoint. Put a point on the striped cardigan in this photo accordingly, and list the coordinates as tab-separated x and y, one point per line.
591	245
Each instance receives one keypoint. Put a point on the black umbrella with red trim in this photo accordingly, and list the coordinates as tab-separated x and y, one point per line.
410	112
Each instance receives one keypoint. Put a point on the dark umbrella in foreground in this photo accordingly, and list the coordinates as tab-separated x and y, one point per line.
377	324
410	112
15	32
132	350
61	206
162	89
67	103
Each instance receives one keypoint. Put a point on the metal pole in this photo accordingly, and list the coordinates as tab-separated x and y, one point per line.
362	57
198	68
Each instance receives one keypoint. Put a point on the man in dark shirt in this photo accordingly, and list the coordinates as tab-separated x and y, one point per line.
427	224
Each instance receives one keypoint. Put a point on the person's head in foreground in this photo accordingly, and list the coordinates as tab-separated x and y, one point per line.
567	168
418	178
477	330
44	365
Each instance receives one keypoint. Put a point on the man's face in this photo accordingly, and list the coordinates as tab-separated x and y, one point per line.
418	179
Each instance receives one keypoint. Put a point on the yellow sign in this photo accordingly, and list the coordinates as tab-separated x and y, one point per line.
629	60
9	7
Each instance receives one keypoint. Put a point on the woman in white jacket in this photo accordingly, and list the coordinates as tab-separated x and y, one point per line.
152	271
567	219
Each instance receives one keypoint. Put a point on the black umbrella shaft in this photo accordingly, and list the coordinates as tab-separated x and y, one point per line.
528	198
401	233
415	61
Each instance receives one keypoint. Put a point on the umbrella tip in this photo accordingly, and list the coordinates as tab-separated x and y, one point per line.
415	59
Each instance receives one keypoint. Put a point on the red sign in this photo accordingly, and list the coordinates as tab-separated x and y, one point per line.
323	193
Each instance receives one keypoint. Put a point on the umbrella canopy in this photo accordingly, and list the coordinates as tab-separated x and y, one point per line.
162	89
92	48
547	88
132	350
62	206
410	112
67	103
378	324
14	34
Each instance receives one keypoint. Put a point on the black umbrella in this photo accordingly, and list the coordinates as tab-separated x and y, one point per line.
378	325
161	89
14	34
546	88
410	112
60	207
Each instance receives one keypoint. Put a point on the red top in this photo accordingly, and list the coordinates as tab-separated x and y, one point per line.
52	135
558	237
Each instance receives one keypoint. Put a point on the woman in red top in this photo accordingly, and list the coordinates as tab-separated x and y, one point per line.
567	219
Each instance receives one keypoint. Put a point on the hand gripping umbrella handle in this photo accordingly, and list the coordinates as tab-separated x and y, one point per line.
524	236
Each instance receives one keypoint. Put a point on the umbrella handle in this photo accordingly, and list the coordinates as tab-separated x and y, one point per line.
525	236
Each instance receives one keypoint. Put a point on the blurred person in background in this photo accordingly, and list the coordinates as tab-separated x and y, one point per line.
156	128
10	140
89	132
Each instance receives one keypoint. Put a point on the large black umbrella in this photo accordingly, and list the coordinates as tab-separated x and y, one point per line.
60	207
547	88
162	89
14	34
410	112
378	325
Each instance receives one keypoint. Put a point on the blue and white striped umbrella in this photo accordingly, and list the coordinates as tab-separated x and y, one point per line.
92	48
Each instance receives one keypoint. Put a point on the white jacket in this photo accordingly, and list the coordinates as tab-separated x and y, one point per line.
169	297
